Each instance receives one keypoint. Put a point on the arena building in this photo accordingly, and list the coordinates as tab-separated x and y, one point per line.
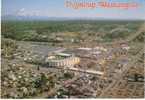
62	60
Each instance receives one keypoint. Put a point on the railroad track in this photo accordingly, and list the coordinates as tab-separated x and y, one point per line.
118	76
129	65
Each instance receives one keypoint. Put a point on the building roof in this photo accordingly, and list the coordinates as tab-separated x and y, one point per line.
63	54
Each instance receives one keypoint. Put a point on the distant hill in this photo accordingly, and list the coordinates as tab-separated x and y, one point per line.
13	17
25	18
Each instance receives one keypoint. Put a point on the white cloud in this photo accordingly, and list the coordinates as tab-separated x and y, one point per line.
25	12
22	10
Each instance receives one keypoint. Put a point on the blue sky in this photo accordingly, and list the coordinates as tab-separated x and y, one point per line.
56	8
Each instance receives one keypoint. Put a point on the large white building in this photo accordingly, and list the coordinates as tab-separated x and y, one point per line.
62	59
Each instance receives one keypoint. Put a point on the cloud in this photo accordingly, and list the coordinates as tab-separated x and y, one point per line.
25	12
22	10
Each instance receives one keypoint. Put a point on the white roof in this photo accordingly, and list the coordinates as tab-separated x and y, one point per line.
85	48
63	54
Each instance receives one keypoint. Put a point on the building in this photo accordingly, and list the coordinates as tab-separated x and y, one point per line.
62	60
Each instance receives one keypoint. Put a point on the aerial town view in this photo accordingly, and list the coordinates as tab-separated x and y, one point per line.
71	58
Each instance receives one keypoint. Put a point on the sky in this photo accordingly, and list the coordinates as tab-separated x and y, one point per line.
56	8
